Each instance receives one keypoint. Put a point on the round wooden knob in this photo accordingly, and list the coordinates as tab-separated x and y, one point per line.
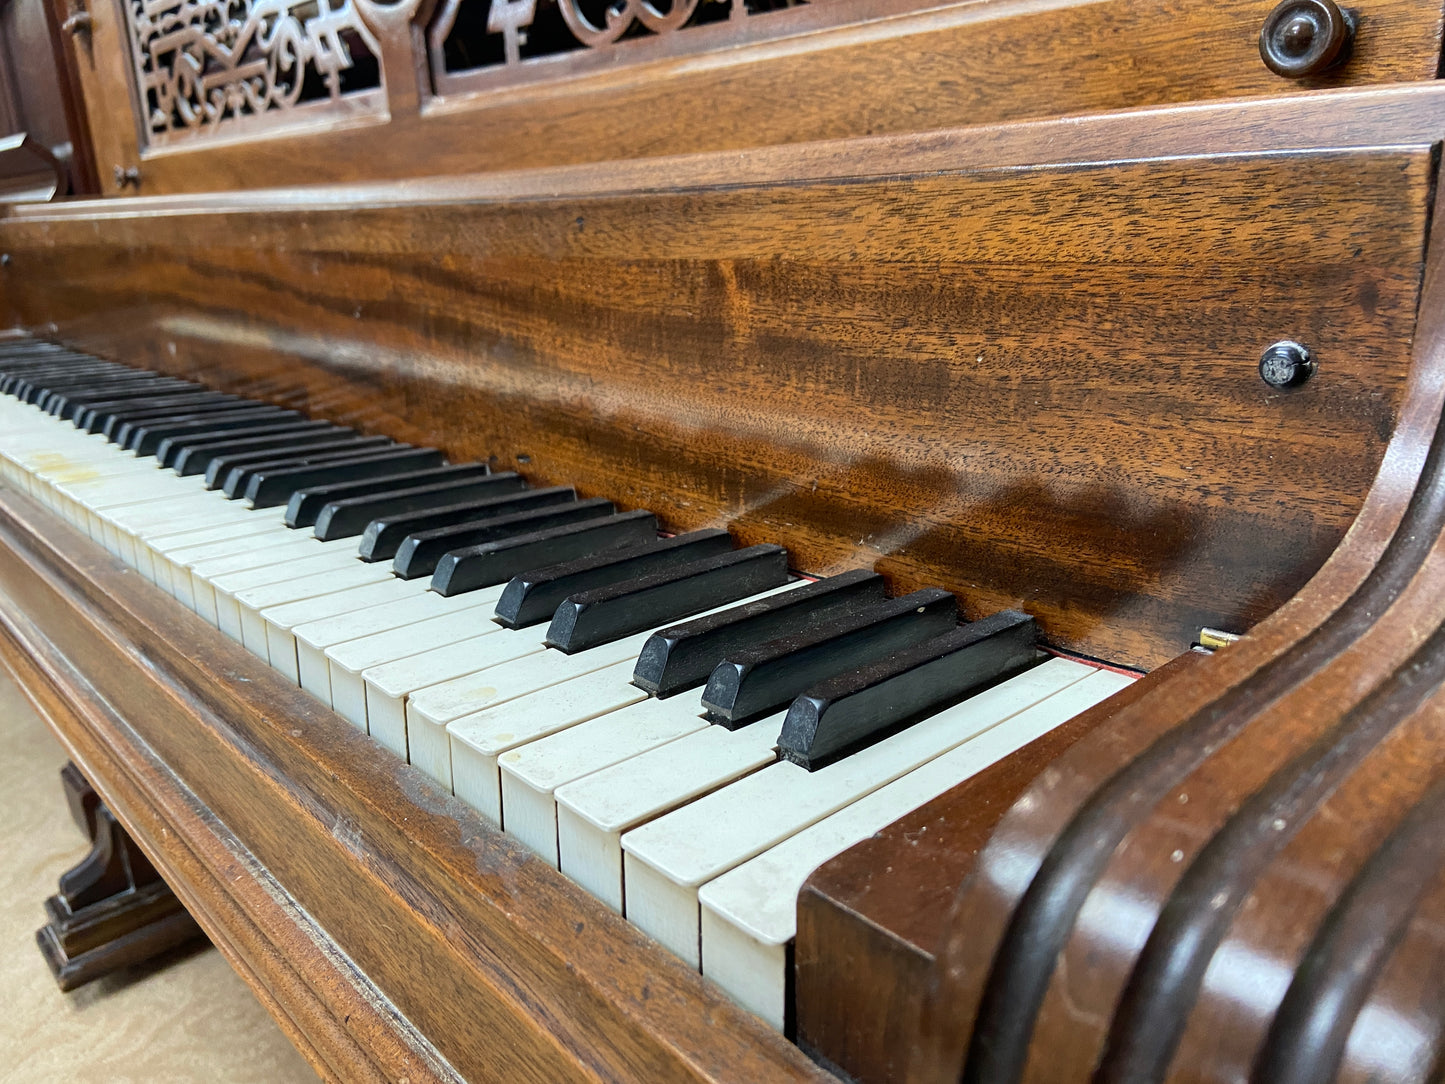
1304	37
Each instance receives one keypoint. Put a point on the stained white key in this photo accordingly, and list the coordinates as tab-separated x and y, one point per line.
593	812
668	859
428	711
388	685
280	620
749	914
532	773
245	607
349	660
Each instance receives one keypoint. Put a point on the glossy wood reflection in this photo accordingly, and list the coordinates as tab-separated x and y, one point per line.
969	380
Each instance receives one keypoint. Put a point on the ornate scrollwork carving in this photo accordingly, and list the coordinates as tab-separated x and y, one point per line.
533	36
621	15
200	63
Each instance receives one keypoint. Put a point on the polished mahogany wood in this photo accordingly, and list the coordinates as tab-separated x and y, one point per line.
958	64
1231	880
868	372
391	930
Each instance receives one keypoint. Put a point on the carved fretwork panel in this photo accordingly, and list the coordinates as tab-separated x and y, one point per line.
204	67
475	44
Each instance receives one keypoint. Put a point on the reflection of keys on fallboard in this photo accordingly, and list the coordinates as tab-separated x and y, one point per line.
685	728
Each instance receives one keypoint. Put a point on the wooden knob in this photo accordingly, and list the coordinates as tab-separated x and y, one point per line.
1305	37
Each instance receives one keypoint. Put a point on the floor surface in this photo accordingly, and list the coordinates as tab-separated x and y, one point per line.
185	1018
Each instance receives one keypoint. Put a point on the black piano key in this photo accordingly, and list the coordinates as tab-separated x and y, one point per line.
144	439
383	537
92	416
31	391
266	489
68	408
859	707
532	598
757	680
78	375
605	614
340	511
118	383
194	450
55	369
108	422
229	473
420	553
343	510
497	562
682	657
83	369
63	403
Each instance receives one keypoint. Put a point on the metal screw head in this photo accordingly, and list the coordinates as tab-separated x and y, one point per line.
4	259
1286	364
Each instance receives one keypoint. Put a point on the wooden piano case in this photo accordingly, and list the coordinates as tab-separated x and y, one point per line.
1016	359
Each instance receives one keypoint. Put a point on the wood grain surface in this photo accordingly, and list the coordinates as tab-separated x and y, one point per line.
1232	880
959	64
1034	387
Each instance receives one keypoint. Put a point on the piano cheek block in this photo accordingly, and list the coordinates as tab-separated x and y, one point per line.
857	708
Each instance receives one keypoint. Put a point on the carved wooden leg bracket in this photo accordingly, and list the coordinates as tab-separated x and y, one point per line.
113	909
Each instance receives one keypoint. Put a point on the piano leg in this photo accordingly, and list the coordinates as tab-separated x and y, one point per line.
112	909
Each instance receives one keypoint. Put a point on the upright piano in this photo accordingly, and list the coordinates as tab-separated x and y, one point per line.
747	541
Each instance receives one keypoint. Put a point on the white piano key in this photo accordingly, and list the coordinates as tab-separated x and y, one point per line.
216	580
387	686
348	661
532	772
164	543
315	638
749	914
668	859
104	493
280	620
593	812
474	742
430	710
246	606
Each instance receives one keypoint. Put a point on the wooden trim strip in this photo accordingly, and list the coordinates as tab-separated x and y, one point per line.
276	948
1397	115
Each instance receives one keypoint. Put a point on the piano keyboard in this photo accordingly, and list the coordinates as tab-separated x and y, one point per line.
684	728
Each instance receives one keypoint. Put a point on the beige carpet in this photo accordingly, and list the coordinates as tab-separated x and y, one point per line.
187	1018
